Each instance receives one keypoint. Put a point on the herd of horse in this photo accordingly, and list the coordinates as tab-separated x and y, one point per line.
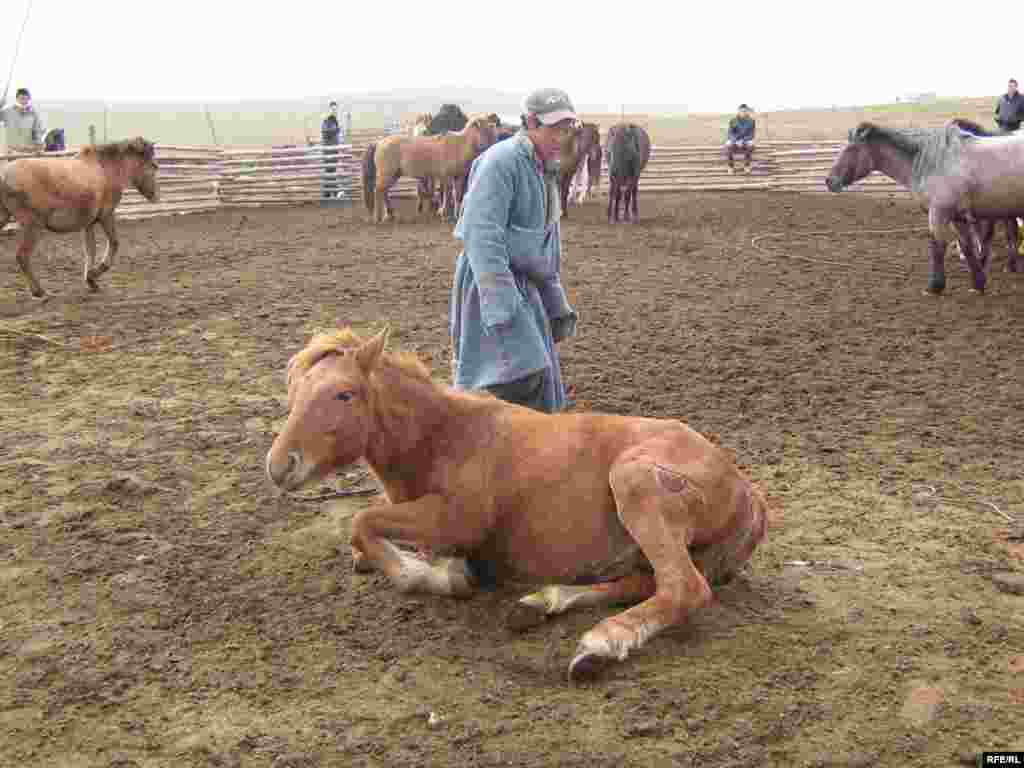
600	508
441	164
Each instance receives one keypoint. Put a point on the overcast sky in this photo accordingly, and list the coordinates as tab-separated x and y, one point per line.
772	55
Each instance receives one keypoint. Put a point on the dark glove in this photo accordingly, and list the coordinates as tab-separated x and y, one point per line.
564	327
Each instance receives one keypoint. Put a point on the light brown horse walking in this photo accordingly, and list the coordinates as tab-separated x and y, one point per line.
441	158
601	508
67	194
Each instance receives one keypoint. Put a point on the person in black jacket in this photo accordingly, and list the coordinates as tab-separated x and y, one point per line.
740	137
1010	108
330	133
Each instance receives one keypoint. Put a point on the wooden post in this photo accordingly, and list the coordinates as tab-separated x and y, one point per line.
209	120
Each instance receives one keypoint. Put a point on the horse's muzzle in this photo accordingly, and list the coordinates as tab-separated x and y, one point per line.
833	184
285	475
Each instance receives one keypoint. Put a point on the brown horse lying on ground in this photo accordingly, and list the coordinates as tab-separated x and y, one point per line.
602	508
437	157
66	194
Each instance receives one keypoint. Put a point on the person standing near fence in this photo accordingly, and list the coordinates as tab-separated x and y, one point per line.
740	138
508	307
330	138
22	123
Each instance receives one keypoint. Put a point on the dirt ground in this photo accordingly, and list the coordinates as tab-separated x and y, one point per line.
161	606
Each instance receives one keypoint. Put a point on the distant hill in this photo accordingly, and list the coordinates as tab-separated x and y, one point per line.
292	121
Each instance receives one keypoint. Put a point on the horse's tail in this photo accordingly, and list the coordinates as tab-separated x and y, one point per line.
369	175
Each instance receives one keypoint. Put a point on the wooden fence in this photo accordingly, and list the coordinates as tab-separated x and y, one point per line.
203	178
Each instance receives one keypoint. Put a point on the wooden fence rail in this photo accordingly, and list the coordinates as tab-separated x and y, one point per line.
203	178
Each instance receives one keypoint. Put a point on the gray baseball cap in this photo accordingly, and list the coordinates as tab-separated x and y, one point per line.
550	105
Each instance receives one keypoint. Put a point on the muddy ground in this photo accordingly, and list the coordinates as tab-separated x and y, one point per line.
160	606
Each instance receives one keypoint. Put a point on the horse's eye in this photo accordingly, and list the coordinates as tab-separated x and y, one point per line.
343	396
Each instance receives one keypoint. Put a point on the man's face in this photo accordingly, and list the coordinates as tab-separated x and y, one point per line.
334	109
548	138
1011	87
23	100
744	113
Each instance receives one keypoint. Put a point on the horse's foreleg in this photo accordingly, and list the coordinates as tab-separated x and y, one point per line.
422	522
26	244
636	194
107	222
554	599
1011	244
89	245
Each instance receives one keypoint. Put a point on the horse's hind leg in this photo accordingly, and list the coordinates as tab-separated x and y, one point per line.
26	244
664	510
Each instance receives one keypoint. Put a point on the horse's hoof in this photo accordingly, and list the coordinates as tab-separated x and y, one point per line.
931	293
94	287
523	616
41	297
586	666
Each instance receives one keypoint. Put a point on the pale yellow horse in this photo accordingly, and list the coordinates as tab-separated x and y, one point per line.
437	157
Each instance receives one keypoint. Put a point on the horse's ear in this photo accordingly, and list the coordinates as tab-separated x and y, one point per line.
369	353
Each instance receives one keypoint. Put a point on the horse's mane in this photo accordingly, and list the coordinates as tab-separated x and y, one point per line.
118	150
973	128
932	150
346	340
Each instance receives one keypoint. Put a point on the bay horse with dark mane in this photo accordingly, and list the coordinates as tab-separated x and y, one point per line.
441	158
629	149
577	148
67	194
958	177
601	508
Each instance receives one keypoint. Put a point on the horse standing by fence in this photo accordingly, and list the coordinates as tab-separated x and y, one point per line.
437	157
957	177
575	155
602	508
68	194
629	149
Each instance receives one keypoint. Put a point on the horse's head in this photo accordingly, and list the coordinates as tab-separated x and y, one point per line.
331	406
856	160
144	170
588	136
482	132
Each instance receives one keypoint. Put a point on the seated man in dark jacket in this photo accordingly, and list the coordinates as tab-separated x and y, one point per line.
740	137
1010	108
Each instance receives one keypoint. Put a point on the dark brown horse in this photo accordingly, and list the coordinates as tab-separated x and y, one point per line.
576	149
629	149
67	194
601	508
958	177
